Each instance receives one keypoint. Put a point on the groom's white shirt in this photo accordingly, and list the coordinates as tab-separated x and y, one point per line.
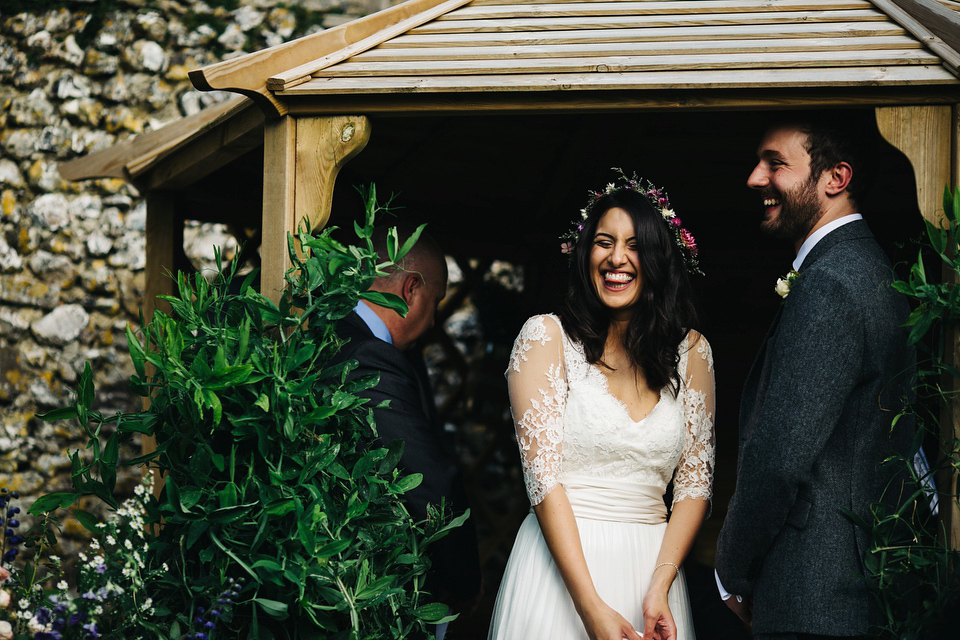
805	249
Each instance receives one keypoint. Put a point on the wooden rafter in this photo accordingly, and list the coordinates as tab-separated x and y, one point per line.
248	74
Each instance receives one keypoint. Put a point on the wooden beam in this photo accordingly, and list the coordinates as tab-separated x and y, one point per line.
127	159
941	21
697	33
936	27
164	236
615	64
923	134
279	167
951	519
635	80
623	100
928	137
500	52
302	157
205	153
248	74
642	21
302	73
651	7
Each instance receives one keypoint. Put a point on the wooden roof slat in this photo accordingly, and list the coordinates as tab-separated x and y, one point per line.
248	74
651	34
629	22
619	64
303	72
129	158
934	25
577	50
724	79
648	7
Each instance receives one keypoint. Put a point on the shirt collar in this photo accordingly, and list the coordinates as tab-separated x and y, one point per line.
819	235
373	322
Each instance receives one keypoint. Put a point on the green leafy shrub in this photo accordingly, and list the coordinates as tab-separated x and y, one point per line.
916	573
265	448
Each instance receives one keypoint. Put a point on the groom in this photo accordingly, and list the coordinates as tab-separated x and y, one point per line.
817	406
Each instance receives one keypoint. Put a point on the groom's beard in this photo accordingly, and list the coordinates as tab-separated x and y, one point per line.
799	211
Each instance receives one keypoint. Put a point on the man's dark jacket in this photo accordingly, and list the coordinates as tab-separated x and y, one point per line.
411	417
815	423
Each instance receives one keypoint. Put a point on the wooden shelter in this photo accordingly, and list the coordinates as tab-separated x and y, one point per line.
491	118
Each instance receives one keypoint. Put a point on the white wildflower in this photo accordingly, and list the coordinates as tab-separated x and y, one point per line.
94	544
127	544
24	603
62	585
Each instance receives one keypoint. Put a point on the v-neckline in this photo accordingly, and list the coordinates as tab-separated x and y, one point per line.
606	388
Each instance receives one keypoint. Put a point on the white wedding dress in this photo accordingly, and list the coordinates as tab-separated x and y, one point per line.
574	433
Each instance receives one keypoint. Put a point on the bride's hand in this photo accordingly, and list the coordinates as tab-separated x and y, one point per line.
657	619
603	623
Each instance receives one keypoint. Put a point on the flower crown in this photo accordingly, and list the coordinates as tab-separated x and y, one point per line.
658	198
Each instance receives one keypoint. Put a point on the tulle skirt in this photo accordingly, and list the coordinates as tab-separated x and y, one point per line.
621	527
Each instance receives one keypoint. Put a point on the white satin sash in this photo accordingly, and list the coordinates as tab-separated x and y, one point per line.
615	500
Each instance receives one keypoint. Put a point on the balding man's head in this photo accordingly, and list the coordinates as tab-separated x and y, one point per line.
420	279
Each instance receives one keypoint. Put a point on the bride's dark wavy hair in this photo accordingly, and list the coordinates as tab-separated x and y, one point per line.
665	310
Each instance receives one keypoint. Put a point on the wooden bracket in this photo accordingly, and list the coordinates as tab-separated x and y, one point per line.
302	157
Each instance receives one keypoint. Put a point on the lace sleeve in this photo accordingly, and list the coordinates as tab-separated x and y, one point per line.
538	393
694	476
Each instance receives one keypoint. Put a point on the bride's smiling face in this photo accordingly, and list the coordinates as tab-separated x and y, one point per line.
615	262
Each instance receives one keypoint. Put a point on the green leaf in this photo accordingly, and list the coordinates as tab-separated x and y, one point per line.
332	548
87	519
53	501
408	482
433	612
412	240
136	352
63	413
263	402
386	300
272	608
196	529
375	588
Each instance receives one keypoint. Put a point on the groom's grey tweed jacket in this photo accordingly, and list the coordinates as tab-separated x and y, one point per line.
815	423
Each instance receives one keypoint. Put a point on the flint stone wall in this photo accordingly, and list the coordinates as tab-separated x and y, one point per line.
72	82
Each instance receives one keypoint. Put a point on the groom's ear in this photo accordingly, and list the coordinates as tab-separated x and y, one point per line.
838	178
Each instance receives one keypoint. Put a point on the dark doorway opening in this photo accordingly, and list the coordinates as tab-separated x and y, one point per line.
497	191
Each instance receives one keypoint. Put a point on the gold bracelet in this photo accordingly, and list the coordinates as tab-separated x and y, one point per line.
667	564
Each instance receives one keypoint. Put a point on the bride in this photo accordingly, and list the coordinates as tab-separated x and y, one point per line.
611	400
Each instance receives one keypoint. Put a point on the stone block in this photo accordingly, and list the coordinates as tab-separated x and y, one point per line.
60	326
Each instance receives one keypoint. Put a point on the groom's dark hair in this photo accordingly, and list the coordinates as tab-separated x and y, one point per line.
832	139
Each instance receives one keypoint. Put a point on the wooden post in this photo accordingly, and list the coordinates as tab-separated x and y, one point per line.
927	136
164	234
302	157
923	134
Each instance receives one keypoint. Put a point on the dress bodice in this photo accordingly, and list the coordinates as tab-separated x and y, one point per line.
569	424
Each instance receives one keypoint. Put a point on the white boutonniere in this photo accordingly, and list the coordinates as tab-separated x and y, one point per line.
786	282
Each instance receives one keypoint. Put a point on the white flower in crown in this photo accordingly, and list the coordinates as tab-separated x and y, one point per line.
785	283
611	187
667	213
